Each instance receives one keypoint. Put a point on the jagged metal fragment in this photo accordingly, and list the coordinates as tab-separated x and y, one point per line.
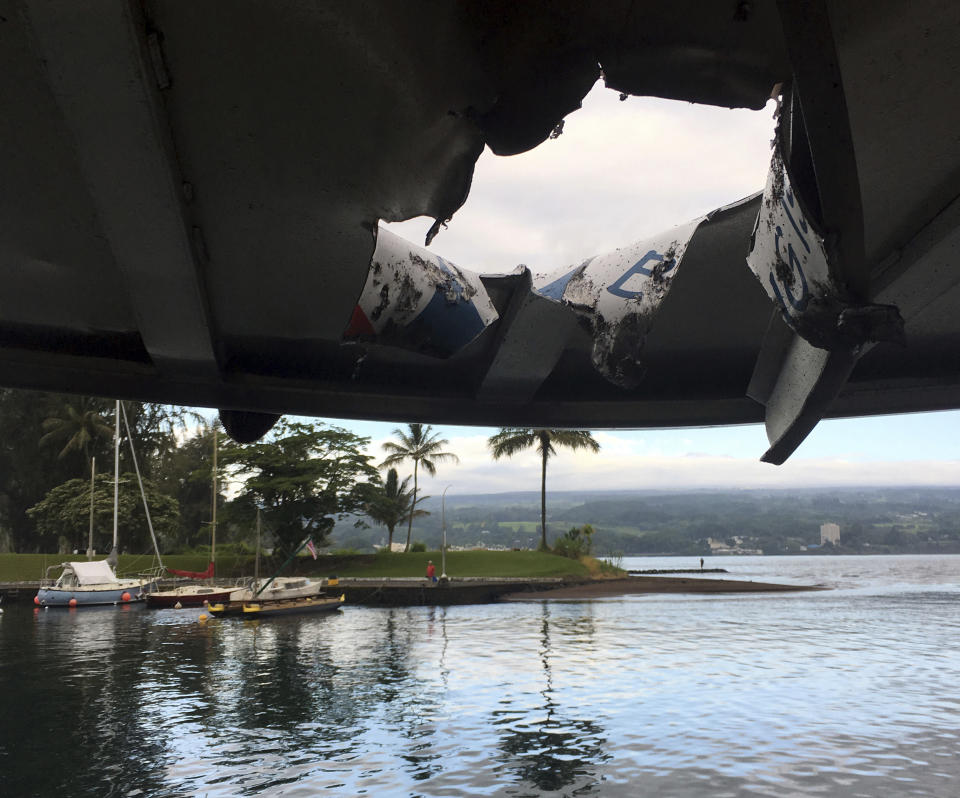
616	296
414	299
791	260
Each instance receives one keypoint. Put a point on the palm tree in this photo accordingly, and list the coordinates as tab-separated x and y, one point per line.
511	440
391	502
79	426
420	444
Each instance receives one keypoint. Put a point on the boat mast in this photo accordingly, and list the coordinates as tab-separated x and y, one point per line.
256	566
143	492
114	557
213	522
93	472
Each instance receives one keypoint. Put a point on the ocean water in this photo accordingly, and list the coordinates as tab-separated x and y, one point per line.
852	691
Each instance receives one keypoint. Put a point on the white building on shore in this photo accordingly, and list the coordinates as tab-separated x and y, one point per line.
830	533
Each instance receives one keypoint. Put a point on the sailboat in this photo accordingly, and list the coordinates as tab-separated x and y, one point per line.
83	584
278	594
196	595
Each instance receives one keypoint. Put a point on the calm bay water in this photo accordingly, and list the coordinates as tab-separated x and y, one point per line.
849	692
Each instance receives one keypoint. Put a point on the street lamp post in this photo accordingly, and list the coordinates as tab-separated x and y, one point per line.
443	524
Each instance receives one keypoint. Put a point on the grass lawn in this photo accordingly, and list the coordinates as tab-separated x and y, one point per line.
459	563
30	567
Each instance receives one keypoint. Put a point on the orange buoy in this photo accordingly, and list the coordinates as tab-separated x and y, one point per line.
203	617
125	597
72	602
36	600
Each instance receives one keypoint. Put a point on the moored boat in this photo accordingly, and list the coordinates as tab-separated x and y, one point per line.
188	596
263	609
89	583
278	588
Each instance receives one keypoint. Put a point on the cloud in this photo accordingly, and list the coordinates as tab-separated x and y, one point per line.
620	172
625	464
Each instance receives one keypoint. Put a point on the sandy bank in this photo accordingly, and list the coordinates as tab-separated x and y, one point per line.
653	584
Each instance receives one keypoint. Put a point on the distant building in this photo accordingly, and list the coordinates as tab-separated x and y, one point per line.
393	546
830	533
720	547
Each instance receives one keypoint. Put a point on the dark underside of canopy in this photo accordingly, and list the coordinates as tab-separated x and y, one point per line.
190	193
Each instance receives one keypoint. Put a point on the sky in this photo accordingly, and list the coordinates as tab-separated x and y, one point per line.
620	172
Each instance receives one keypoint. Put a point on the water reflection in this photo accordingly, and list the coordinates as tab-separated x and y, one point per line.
844	692
548	746
409	704
88	712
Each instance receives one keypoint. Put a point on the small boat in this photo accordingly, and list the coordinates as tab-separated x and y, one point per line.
85	584
267	608
278	589
188	596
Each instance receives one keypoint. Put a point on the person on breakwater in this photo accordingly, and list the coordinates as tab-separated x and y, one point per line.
431	571
701	563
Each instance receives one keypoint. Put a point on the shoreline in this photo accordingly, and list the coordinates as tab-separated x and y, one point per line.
411	592
643	585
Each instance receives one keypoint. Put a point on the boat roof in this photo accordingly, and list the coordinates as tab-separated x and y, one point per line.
97	572
217	204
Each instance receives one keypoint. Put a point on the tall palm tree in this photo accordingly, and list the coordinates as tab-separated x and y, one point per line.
391	503
511	440
78	427
420	444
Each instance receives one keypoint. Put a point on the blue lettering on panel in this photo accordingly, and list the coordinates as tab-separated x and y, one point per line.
791	259
616	288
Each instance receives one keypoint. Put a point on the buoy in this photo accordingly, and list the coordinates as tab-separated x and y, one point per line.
178	606
36	600
203	617
125	597
72	602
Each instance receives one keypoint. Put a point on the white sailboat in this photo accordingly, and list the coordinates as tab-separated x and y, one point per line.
291	591
84	584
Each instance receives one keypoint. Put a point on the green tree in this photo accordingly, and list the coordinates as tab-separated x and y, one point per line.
156	431
419	444
27	470
65	512
80	426
187	475
511	440
304	477
390	503
46	439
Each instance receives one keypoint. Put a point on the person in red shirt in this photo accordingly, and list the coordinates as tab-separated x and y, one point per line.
431	571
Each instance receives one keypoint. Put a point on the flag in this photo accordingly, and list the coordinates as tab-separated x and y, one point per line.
311	548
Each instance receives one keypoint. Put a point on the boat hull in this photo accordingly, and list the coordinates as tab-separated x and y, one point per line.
264	609
170	598
124	592
281	588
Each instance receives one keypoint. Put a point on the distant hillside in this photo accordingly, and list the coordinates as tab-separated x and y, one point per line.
682	522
